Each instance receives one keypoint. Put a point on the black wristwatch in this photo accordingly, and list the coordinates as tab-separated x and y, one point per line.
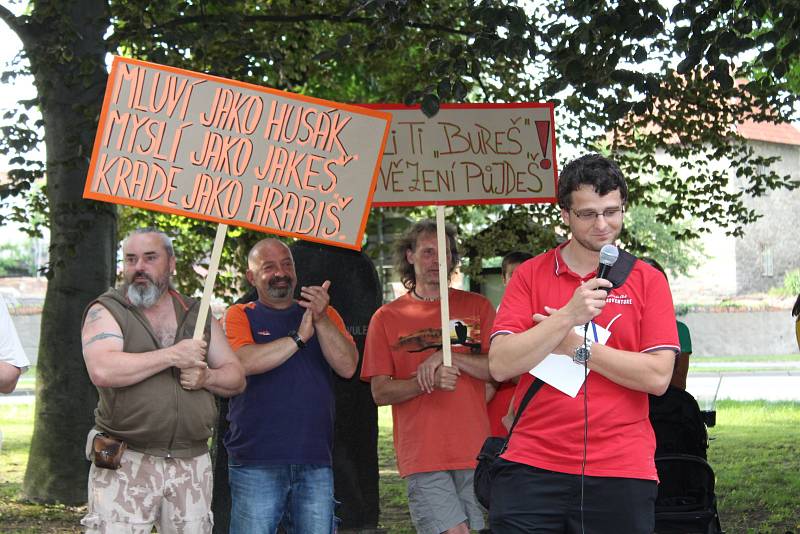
583	353
297	339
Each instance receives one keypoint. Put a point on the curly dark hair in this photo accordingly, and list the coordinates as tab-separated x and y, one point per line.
409	242
592	169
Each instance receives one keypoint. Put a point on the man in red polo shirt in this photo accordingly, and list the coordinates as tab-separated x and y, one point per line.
603	432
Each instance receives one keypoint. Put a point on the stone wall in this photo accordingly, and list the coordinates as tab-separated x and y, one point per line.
741	333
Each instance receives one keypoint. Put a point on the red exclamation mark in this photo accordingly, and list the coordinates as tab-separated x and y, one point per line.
543	129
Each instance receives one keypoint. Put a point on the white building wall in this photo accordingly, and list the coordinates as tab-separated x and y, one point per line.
715	278
769	247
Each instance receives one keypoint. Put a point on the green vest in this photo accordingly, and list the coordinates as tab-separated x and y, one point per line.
156	416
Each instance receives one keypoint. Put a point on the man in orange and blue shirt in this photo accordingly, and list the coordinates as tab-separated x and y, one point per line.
281	428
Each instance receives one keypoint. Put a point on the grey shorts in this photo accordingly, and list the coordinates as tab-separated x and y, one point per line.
440	500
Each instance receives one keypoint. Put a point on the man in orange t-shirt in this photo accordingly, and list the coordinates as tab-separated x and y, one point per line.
439	412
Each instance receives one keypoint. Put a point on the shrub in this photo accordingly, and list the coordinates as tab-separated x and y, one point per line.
791	282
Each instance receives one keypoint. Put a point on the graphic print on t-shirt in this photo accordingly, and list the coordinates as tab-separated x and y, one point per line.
463	332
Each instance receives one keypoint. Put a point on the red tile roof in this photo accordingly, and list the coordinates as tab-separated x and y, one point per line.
783	133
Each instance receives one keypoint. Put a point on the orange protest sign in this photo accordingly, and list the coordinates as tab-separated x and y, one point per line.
234	153
469	154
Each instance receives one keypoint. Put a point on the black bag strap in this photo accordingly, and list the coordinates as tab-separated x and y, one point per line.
621	269
535	386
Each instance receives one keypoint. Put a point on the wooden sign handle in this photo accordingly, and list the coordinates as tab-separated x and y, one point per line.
211	277
441	237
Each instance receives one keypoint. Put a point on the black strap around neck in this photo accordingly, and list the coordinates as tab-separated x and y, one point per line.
621	269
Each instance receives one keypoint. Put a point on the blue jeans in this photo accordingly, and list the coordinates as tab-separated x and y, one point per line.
262	495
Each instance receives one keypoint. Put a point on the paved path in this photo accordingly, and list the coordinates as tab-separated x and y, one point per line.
772	387
790	365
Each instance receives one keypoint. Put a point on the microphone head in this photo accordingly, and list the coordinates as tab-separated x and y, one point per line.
608	255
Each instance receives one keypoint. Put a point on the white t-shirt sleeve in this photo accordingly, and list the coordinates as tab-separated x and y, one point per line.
10	346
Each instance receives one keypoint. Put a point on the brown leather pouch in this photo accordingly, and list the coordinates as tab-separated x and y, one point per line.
107	451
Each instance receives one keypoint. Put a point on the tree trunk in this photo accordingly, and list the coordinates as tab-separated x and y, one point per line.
64	42
356	294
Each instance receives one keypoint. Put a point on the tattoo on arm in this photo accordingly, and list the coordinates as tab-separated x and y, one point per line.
101	335
93	315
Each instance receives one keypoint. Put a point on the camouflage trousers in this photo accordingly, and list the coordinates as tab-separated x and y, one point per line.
174	494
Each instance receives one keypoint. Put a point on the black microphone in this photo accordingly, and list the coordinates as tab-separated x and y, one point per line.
608	257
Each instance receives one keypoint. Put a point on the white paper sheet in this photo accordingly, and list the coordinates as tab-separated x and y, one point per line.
561	372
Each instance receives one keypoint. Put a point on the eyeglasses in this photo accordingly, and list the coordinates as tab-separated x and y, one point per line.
591	215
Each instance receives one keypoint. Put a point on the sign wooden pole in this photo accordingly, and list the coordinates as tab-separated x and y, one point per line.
441	237
213	265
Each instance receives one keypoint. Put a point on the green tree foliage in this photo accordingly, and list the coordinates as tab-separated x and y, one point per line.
530	228
662	82
16	259
648	237
791	283
774	28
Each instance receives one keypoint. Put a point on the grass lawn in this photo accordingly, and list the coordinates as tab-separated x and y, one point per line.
730	370
755	452
17	516
779	363
754	358
394	507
